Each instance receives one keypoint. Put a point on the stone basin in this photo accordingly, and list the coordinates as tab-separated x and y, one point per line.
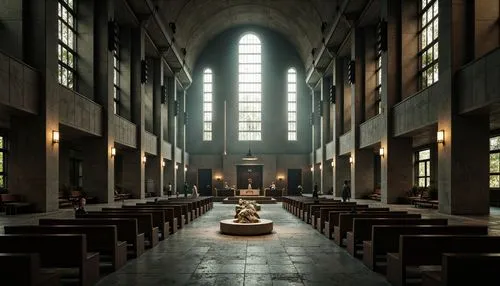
228	226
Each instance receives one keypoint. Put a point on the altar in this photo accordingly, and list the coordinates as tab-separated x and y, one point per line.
249	192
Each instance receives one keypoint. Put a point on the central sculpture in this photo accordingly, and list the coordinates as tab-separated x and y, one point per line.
246	212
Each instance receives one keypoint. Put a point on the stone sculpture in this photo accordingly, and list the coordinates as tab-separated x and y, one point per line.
246	212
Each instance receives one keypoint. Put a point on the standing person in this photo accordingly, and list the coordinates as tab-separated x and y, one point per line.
186	187
346	191
169	189
299	190
315	193
81	206
195	191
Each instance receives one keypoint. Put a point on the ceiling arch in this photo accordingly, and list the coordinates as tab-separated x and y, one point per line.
199	21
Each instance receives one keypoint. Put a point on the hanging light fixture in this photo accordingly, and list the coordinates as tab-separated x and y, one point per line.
249	156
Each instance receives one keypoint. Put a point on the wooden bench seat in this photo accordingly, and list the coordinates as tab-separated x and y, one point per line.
314	208
321	215
57	251
334	216
159	219
23	269
303	208
144	224
178	211
417	250
126	228
346	221
362	229
13	204
465	269
385	238
169	214
100	238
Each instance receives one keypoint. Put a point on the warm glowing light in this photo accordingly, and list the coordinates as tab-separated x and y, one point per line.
440	136
312	169
163	163
176	166
185	169
55	136
350	159
144	159
321	166
381	152
113	151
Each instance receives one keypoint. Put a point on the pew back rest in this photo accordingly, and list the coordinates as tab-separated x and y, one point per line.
168	211
370	212
417	249
55	250
157	215
126	228
144	220
346	220
362	227
469	268
13	267
385	238
99	237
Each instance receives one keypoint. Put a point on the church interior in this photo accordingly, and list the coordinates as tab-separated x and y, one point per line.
249	142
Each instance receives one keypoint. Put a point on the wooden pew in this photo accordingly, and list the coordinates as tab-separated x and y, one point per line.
321	215
185	207
385	238
178	211
126	228
159	219
334	216
417	250
57	251
362	229
465	269
314	208
169	214
23	269
346	221
144	224
100	238
303	208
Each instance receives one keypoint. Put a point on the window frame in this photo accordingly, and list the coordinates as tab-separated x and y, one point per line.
5	173
378	81
207	135
430	45
72	11
116	80
428	166
252	106
490	174
292	135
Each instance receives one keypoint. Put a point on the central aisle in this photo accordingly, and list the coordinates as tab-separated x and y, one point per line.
295	254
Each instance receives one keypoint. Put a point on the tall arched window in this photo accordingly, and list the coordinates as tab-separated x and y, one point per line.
207	105
249	89
292	104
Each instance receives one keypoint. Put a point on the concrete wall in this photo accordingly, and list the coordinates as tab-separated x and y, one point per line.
371	131
79	112
417	111
11	28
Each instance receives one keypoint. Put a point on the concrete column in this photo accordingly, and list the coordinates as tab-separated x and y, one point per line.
341	169
463	182
326	170
362	172
183	137
313	141
133	167
99	179
34	158
397	163
156	170
170	171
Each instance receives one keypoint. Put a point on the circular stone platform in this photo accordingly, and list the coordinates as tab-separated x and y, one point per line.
228	226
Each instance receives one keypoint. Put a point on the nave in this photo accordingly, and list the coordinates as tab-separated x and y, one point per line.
295	254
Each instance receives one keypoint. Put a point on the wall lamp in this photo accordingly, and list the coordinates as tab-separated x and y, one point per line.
113	151
381	152
163	164
218	178
144	159
440	136
185	168
321	166
350	159
176	166
55	136
280	178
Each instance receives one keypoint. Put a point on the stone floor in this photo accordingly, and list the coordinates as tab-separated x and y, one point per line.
294	254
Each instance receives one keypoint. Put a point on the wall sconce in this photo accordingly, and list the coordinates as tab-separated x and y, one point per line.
185	168
381	152
163	164
144	159
113	151
218	178
350	159
321	166
280	178
312	169
333	163
55	136
176	166
440	136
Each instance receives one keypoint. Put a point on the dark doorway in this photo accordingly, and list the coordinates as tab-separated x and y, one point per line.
294	180
246	172
205	182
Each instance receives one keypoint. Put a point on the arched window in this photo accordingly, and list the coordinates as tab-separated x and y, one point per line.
207	105
292	104
249	89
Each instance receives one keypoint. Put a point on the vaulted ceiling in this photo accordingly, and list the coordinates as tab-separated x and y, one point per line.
199	21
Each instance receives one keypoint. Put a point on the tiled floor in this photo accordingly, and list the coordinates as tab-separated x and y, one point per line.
294	254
